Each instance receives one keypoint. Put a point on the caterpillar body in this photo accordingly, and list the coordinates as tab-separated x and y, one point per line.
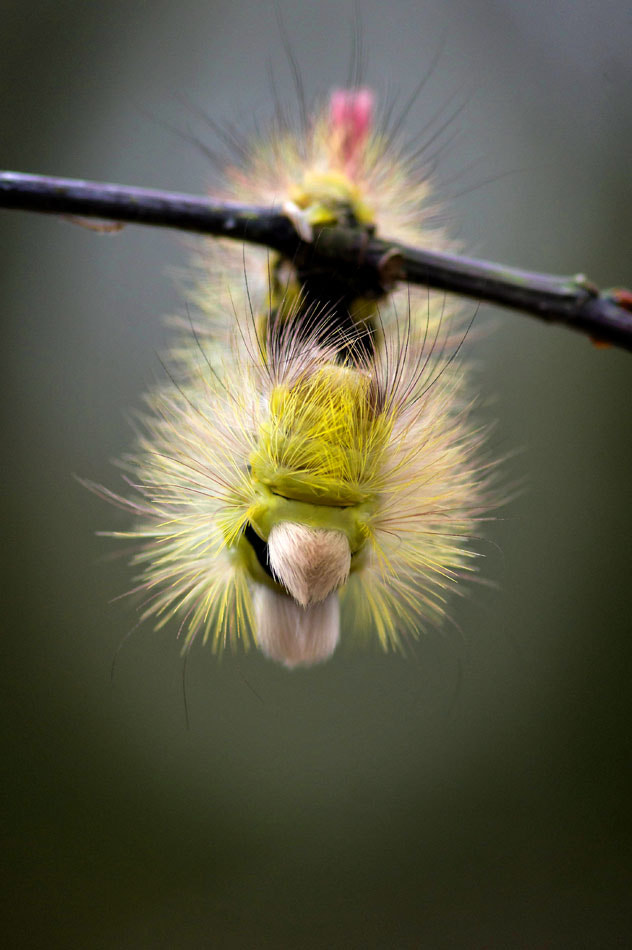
311	467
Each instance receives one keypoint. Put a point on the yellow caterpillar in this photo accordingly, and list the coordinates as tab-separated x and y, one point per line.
314	469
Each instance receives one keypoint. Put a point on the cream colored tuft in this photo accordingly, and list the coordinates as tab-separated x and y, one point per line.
309	562
295	635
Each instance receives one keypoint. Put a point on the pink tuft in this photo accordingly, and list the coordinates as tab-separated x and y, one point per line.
351	116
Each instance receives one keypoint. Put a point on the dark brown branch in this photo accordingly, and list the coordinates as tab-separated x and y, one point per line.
69	196
570	301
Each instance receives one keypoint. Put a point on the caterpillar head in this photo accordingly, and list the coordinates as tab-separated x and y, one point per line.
298	557
306	551
310	564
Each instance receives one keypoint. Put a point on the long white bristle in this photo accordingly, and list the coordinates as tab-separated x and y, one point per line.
309	562
295	635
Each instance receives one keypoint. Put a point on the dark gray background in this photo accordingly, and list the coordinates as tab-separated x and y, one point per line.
476	795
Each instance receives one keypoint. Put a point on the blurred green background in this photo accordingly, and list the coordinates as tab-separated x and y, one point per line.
474	795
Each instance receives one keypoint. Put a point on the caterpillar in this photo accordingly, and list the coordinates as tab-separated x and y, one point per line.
310	468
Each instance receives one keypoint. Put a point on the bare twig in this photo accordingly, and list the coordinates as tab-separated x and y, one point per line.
573	302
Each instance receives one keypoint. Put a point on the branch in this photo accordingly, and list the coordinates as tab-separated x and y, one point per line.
573	302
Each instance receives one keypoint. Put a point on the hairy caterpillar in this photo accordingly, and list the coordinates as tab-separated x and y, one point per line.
310	466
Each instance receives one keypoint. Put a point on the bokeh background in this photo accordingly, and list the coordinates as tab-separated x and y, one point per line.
475	794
